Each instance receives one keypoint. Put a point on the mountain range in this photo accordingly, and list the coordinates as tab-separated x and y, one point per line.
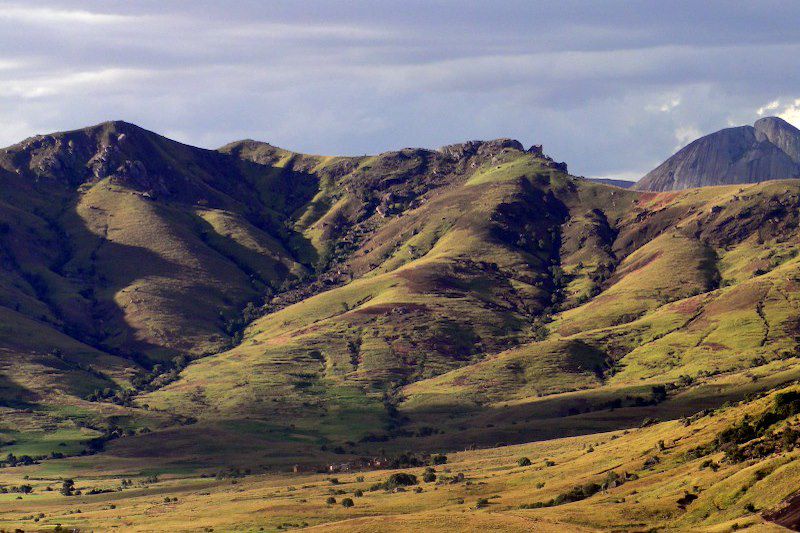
176	319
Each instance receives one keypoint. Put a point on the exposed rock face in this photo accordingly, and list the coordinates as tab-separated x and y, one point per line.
768	150
781	134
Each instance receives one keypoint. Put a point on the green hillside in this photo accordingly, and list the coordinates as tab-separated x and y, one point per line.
178	311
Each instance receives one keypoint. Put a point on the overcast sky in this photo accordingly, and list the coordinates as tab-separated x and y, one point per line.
613	88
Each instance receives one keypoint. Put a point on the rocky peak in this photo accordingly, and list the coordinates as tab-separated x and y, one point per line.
468	149
781	134
768	150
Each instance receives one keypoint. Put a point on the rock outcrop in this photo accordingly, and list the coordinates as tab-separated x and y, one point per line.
768	150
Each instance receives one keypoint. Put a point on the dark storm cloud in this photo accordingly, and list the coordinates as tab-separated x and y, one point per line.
610	87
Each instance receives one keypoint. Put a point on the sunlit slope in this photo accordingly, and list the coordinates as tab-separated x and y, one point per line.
451	287
658	318
463	274
706	472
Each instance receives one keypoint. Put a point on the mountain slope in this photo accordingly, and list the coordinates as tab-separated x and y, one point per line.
172	310
768	150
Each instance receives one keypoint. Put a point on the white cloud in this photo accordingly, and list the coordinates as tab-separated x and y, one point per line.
665	105
686	134
791	113
51	16
57	84
773	105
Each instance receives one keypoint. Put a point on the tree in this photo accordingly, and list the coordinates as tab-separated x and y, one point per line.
401	479
347	502
68	487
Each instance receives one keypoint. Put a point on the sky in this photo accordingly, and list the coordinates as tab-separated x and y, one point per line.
612	88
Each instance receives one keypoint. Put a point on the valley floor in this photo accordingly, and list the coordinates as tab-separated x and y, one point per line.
649	478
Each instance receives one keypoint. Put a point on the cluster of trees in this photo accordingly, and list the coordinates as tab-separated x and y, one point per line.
22	460
21	489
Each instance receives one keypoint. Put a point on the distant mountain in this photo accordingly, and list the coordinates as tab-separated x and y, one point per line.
625	184
767	150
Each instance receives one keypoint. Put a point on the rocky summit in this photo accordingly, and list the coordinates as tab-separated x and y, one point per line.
767	150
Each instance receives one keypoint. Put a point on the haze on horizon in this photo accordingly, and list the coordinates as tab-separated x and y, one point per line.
611	88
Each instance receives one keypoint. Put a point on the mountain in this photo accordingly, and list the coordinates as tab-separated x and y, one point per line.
176	319
768	150
625	184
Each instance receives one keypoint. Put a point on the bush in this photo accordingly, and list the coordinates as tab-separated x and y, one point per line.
358	493
481	503
429	476
347	502
438	459
67	487
331	500
401	479
524	461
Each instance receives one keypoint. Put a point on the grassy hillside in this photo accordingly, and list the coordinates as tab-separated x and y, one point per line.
177	311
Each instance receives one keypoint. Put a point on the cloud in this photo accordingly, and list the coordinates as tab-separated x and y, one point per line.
610	89
773	105
75	83
57	16
686	134
791	112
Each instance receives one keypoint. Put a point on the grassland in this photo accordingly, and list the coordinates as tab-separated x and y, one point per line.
654	468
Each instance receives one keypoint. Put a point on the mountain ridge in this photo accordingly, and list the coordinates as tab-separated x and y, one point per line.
207	313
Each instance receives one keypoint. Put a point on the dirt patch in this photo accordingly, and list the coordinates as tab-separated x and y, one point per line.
689	306
714	346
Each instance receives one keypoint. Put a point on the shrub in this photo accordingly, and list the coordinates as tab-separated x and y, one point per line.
429	476
438	459
67	487
524	461
347	502
481	503
358	493
401	479
331	500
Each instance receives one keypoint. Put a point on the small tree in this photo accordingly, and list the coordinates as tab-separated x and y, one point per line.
438	459
347	502
401	479
68	487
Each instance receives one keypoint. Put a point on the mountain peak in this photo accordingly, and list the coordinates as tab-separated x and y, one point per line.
766	122
768	150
